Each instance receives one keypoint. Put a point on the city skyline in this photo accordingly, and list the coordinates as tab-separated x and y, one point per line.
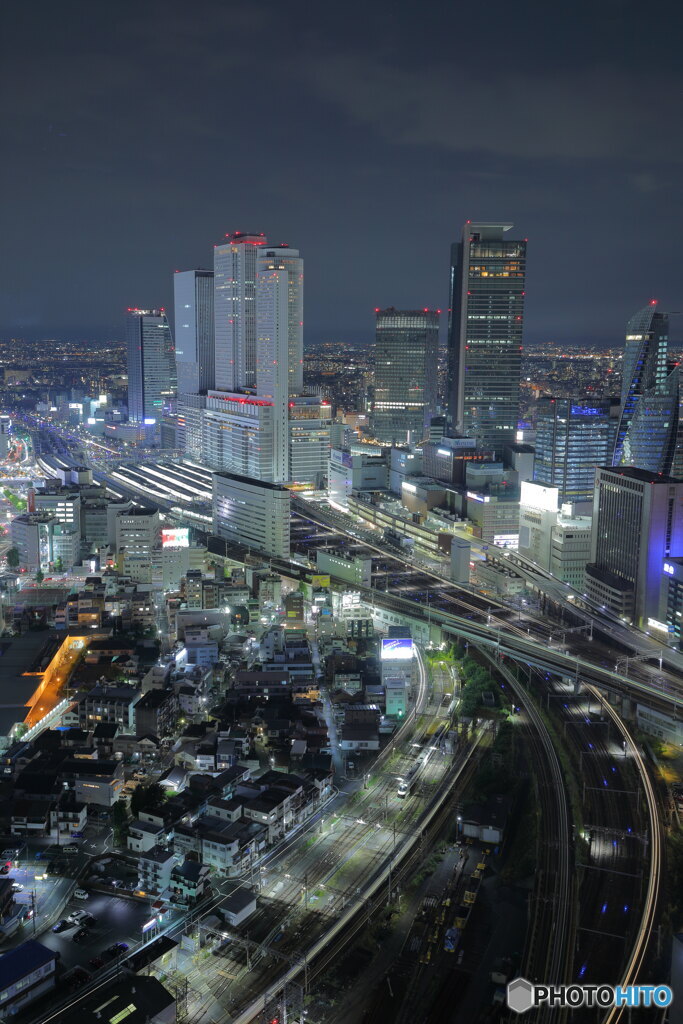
564	161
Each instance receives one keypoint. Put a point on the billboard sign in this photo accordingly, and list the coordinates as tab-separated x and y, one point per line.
397	650
178	538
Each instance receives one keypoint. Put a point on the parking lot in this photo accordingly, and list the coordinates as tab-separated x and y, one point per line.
117	919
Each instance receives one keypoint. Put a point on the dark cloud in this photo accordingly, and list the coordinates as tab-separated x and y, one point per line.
136	134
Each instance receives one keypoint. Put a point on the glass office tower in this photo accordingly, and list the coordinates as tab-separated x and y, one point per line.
648	425
406	352
572	438
485	333
151	364
234	265
194	349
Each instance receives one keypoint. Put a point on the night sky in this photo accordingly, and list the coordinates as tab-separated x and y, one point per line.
134	135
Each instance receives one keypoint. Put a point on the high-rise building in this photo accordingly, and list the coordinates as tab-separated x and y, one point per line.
572	438
637	525
235	310
280	350
485	329
650	422
151	364
193	292
406	352
279	321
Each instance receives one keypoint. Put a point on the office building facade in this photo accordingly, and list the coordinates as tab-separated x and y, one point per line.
138	543
637	526
151	365
486	321
235	310
406	353
193	292
650	430
572	438
251	513
238	435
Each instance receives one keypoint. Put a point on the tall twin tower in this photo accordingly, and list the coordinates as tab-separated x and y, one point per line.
239	352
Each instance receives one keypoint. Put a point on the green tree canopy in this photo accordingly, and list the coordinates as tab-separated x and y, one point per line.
147	798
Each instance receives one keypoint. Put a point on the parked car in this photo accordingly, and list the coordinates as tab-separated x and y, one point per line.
76	977
60	926
117	948
71	848
17	887
81	894
76	916
76	835
81	934
96	963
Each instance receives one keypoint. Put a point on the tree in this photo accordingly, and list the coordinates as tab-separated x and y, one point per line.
147	798
120	822
40	576
13	558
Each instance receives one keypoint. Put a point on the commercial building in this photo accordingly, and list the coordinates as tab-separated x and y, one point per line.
5	428
553	535
31	535
193	292
448	458
649	419
234	265
352	569
494	517
485	333
238	436
251	513
572	438
406	348
64	503
138	542
348	473
309	439
637	527
151	365
570	547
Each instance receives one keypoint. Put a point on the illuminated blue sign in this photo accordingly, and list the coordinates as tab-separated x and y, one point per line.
582	410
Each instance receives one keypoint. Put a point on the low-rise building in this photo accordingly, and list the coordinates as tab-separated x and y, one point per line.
154	869
189	880
26	973
143	835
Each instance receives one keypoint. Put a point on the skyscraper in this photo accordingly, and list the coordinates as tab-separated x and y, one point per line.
572	438
151	364
280	348
485	333
650	421
235	310
194	347
406	352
